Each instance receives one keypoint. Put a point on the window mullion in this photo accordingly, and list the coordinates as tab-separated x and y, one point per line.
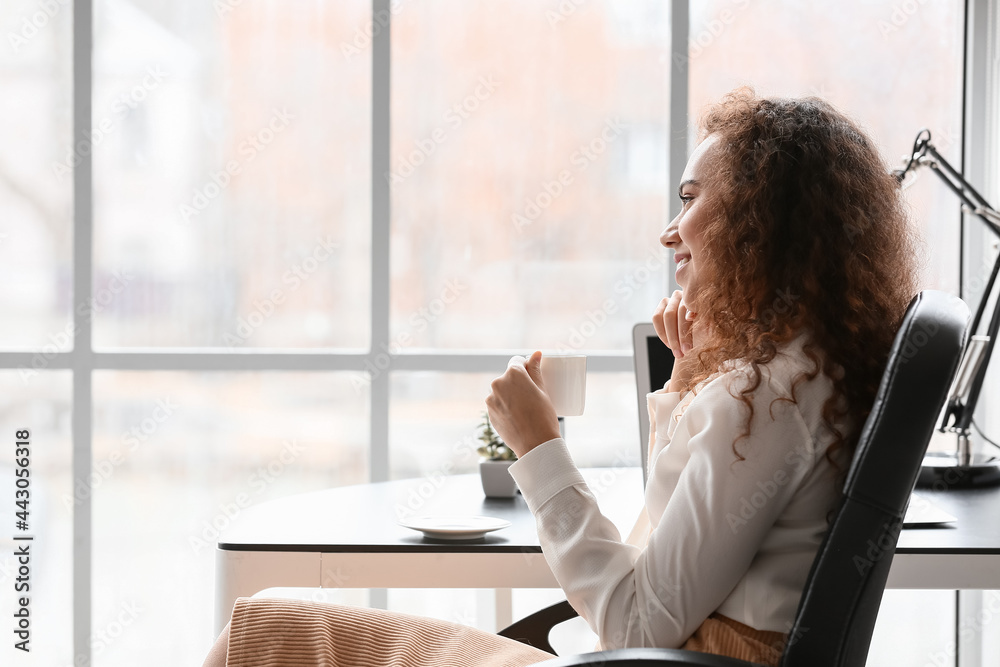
479	361
82	340
678	138
379	407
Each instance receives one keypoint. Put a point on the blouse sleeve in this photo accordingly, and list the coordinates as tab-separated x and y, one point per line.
704	541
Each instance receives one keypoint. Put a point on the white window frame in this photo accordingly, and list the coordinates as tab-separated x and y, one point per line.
83	360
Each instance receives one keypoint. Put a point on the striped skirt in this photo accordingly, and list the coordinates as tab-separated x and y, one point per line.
269	632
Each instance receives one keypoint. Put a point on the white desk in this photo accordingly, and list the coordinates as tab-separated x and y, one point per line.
348	538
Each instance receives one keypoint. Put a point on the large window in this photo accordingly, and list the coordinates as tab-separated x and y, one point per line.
301	237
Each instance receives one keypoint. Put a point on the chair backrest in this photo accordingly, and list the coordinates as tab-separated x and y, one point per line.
836	615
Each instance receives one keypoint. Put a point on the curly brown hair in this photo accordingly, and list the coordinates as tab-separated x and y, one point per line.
807	233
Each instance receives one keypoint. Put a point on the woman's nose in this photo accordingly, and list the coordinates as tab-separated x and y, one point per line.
670	236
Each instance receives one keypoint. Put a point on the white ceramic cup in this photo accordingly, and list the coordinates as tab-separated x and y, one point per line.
564	377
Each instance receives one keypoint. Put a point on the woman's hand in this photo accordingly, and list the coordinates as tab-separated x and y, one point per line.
519	408
676	327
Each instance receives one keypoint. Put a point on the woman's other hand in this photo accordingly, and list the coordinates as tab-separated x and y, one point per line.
519	408
675	325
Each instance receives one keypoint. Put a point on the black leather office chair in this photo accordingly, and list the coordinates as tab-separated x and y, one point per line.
836	615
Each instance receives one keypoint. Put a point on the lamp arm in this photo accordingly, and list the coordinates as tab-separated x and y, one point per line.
981	210
981	308
965	186
964	417
978	206
975	204
924	153
988	213
955	408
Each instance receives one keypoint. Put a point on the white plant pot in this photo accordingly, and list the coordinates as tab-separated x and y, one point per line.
497	482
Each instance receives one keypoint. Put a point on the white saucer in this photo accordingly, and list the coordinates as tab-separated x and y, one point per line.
455	527
922	512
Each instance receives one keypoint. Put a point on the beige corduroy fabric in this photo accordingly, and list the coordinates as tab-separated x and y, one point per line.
723	636
270	632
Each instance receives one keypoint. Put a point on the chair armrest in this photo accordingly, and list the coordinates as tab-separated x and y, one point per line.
534	629
646	657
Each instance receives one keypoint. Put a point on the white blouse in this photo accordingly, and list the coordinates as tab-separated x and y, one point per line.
737	537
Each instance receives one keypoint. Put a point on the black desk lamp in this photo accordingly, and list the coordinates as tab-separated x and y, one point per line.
962	469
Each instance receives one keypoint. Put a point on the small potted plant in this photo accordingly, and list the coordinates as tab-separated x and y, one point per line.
497	482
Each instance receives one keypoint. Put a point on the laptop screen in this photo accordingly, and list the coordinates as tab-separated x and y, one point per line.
660	360
653	363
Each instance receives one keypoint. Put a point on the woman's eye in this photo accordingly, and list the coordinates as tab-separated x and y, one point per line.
686	198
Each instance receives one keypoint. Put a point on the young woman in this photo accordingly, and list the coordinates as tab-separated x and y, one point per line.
797	263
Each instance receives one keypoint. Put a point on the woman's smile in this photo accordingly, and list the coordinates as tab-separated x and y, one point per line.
685	233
